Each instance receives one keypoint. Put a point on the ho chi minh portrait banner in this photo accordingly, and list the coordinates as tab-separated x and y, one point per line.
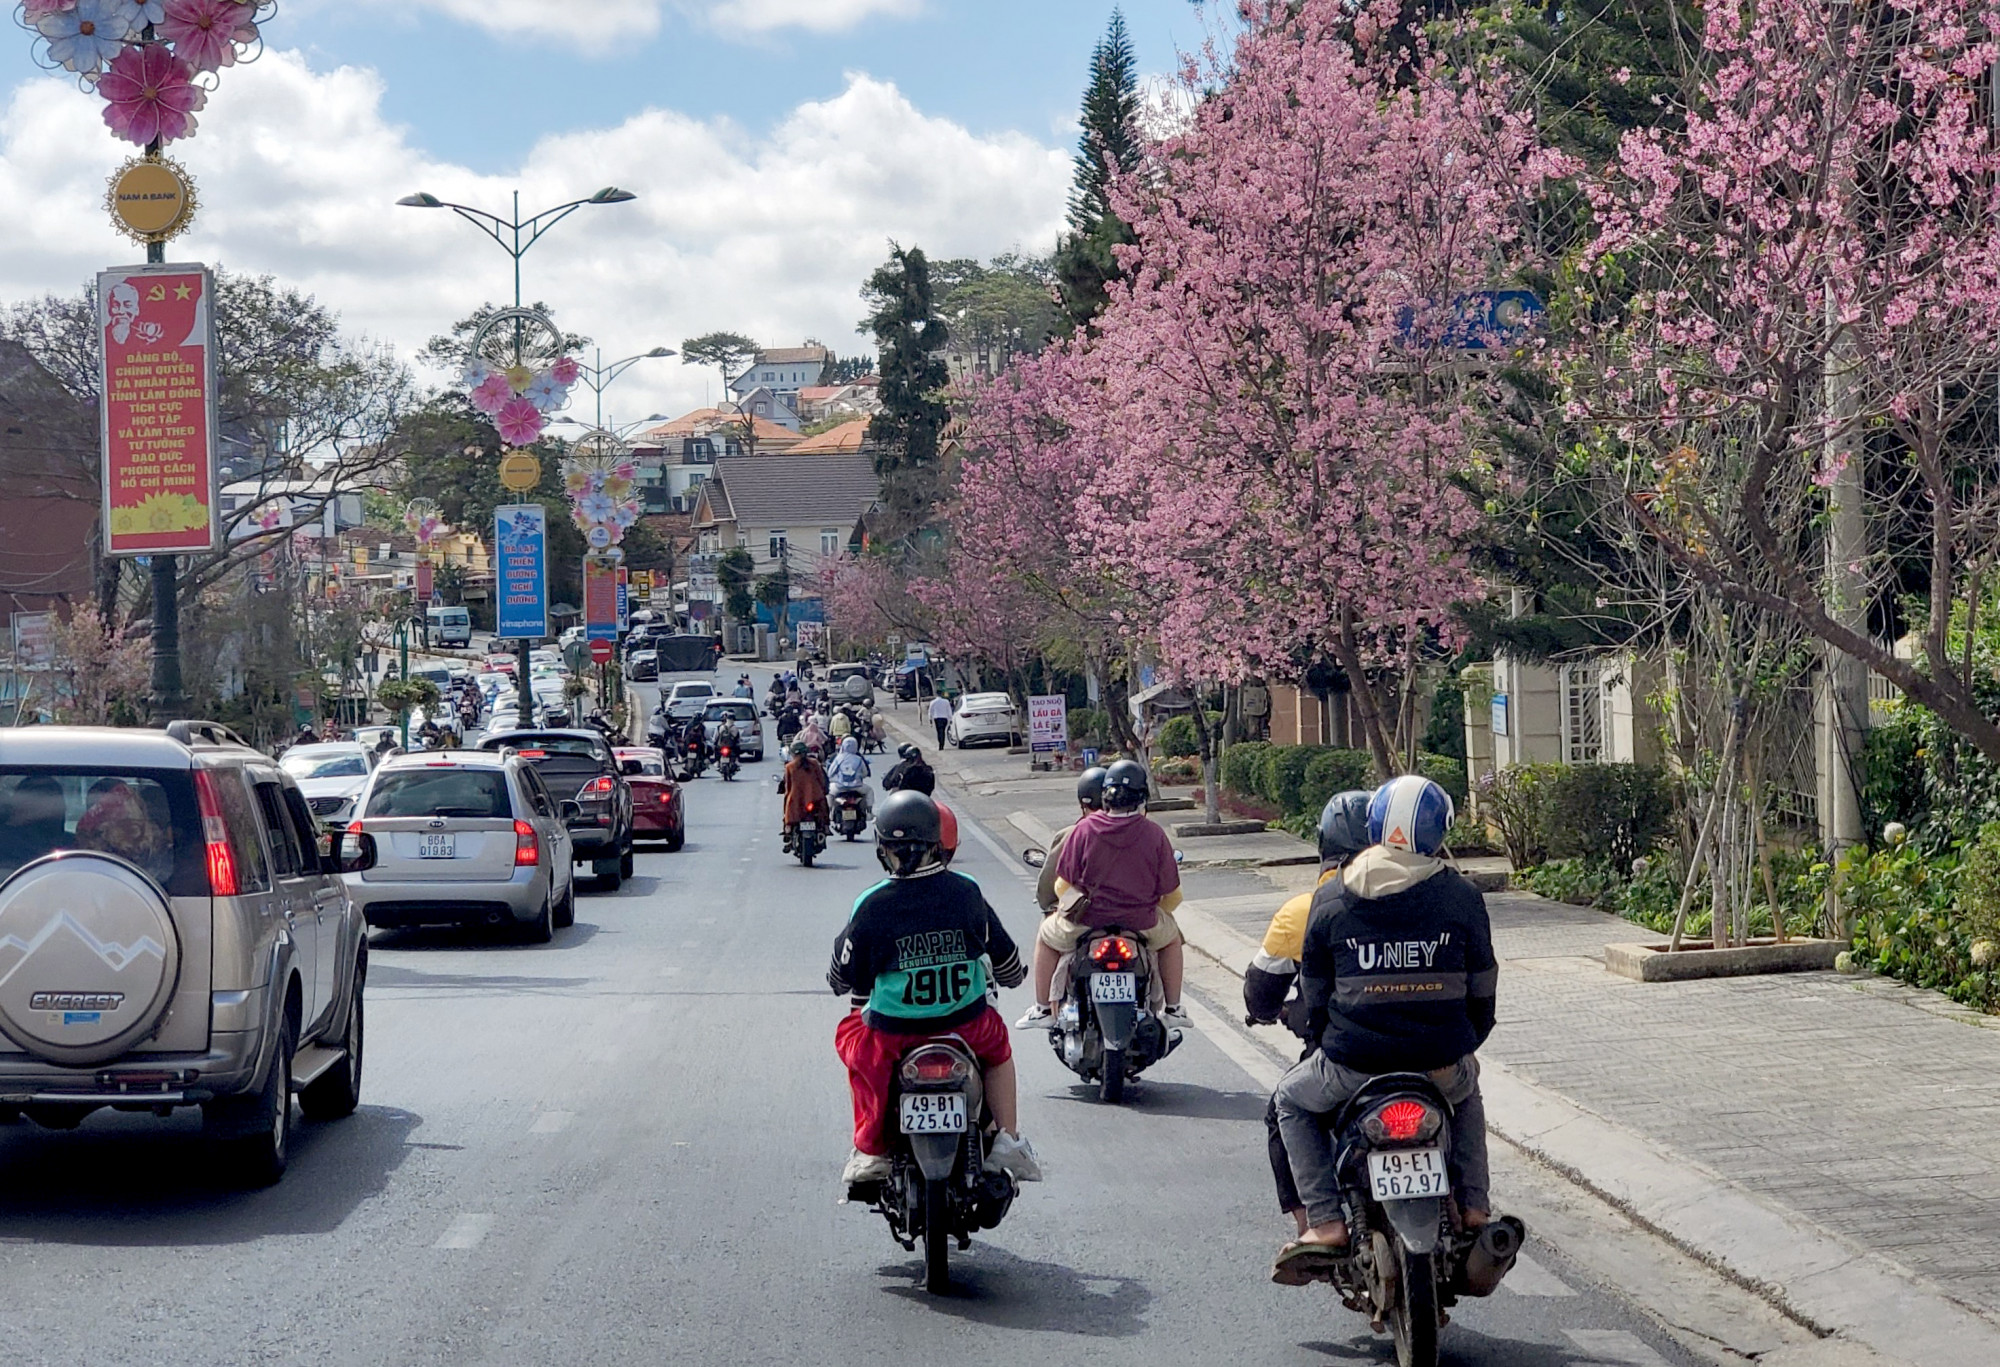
156	324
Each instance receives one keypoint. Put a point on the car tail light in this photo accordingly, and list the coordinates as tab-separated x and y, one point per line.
935	1066
1114	955
527	849
1402	1121
599	787
532	754
215	833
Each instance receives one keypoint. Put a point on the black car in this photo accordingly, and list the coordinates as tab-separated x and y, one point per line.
579	766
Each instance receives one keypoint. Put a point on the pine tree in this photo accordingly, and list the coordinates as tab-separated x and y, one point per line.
1110	145
910	334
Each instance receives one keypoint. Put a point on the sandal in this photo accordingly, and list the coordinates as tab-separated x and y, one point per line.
1300	1263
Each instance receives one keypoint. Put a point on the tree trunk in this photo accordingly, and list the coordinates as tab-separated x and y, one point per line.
1210	764
1348	652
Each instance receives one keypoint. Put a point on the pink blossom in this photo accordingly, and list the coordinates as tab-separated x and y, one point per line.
150	93
205	33
37	9
519	422
492	394
566	371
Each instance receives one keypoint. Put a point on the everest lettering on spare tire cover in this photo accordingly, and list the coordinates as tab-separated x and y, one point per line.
88	957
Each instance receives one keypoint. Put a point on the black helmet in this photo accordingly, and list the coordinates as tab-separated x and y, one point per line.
1090	787
1343	826
907	751
1125	785
909	833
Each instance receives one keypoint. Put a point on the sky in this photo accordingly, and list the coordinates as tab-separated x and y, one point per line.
776	146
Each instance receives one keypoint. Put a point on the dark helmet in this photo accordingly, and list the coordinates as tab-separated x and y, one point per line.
909	833
1125	785
1090	787
1343	826
908	751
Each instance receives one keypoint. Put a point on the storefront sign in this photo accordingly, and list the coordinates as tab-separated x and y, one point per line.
522	534
600	599
34	640
1048	724
159	409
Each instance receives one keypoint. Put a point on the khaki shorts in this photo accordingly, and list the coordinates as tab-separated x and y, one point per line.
1060	933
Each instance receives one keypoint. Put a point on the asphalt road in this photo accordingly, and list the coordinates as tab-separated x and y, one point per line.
623	1147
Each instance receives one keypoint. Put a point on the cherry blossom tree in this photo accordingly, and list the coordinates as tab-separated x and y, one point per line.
1797	286
104	670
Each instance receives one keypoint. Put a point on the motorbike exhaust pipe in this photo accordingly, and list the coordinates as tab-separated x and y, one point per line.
1492	1255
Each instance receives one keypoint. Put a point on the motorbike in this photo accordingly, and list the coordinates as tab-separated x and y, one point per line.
1408	1258
848	817
807	839
938	1189
597	721
726	761
694	758
1108	1025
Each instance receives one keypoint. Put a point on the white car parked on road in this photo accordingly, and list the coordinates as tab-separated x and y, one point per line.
983	717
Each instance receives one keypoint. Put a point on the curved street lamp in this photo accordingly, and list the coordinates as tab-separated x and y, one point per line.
600	376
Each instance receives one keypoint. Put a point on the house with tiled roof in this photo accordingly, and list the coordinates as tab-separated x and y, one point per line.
791	510
676	457
843	440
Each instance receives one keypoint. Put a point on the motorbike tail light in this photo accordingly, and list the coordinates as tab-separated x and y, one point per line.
222	880
527	849
1114	954
1402	1121
935	1067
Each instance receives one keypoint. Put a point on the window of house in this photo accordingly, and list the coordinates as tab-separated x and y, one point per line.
1583	702
779	547
829	541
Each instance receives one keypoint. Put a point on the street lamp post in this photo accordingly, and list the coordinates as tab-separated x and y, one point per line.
515	236
600	376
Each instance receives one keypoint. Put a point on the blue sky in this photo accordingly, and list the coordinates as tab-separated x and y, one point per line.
777	147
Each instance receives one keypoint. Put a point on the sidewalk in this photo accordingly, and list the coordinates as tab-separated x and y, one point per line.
1833	1142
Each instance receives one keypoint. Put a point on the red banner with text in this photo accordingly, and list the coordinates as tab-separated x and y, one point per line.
158	410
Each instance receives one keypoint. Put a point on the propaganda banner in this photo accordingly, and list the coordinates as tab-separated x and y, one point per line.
522	535
158	413
600	600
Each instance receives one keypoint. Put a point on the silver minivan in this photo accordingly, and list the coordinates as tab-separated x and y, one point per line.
174	932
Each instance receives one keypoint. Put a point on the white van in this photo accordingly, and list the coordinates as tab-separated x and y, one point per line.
449	626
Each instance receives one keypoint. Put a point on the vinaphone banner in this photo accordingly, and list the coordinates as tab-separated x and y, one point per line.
521	531
159	409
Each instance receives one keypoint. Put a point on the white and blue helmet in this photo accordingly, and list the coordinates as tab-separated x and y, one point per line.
1410	813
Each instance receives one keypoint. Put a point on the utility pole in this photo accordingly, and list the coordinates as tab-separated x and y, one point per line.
1843	685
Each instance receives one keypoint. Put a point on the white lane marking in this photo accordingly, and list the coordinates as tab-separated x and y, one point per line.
1615	1348
555	1122
1530	1278
466	1232
1245	1055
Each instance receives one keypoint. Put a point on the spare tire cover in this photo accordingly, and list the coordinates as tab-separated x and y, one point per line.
857	686
88	957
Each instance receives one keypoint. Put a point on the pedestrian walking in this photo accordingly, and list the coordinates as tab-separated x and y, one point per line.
940	716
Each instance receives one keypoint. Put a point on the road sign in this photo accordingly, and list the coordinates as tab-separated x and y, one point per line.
519	471
600	652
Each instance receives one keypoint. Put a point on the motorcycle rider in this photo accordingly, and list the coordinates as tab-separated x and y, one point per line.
743	688
804	784
910	773
1116	869
727	735
1398	893
923	924
1089	798
849	774
694	740
1343	834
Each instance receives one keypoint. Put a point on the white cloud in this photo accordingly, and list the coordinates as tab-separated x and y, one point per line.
598	25
299	173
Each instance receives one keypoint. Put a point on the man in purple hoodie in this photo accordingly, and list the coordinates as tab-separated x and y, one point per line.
1115	868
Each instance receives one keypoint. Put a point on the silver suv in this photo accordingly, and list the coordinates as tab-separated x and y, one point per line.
174	932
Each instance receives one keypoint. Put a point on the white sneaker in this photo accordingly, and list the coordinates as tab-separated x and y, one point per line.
865	1167
1036	1016
1177	1015
1015	1157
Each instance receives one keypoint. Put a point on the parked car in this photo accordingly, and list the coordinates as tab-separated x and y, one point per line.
578	766
983	717
330	775
659	810
174	932
743	711
852	683
688	699
466	839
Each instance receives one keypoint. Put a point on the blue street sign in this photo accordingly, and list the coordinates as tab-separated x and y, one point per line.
1481	320
522	534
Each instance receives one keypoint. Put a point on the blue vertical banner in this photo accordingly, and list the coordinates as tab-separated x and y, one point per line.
624	599
522	534
600	599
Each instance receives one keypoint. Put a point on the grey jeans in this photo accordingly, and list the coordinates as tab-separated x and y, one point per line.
1317	1086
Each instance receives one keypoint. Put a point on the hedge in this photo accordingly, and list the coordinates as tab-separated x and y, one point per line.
1240	765
1298	779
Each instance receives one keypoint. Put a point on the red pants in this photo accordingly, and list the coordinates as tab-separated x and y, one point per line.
871	1056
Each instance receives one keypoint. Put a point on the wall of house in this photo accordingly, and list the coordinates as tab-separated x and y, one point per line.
1526	717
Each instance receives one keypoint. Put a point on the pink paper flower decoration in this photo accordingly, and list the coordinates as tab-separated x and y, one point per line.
205	32
150	93
492	394
566	371
37	9
519	421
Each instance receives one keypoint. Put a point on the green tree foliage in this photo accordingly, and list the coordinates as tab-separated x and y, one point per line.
1001	309
1110	145
729	352
845	369
903	317
1603	67
733	574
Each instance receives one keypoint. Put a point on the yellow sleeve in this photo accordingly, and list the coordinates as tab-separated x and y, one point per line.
1286	937
1170	901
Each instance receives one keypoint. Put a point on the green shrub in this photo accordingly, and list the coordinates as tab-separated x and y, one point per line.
1906	925
1576	881
1979	887
1088	726
1448	773
1179	738
1467	837
1241	765
1606	814
1329	772
1285	774
1513	800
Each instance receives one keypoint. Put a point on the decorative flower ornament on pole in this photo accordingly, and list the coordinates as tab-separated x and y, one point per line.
154	63
518	373
601	479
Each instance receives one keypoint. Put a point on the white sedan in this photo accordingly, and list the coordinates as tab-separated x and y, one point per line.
983	717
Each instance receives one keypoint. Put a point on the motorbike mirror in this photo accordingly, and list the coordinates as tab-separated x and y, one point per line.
570	811
1179	856
1035	857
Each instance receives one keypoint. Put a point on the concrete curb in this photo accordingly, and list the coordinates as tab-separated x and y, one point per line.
1812	1274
